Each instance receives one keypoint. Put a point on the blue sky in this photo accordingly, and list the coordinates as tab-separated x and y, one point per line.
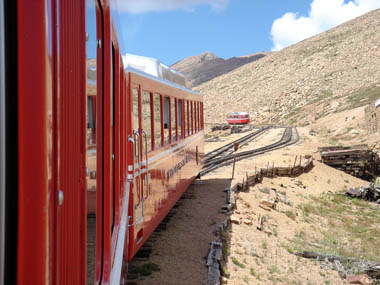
171	30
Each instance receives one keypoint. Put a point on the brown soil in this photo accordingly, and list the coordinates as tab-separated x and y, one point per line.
182	249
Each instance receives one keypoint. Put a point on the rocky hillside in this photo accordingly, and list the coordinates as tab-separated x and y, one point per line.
334	71
205	67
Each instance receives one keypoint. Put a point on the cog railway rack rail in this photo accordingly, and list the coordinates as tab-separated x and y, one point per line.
215	159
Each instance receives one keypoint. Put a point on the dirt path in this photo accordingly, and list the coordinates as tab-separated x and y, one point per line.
180	251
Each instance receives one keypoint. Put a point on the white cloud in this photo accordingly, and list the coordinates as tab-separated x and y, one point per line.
323	15
145	6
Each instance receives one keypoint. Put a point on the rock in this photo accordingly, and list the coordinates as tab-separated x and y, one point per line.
250	249
338	267
227	207
213	139
262	222
317	245
247	222
224	280
265	207
213	260
268	204
265	190
358	279
235	219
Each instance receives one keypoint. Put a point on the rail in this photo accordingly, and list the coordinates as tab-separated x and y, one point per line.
287	139
212	154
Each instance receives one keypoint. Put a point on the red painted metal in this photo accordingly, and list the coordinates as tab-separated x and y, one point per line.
33	118
71	124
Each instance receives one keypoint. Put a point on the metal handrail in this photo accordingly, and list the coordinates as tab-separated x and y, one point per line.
146	162
130	178
137	135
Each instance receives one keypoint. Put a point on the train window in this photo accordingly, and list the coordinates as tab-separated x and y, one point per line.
202	117
179	118
173	119
157	120
166	119
192	117
147	118
198	121
135	109
188	117
185	120
196	116
91	155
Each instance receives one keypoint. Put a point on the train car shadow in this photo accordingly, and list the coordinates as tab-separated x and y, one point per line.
180	251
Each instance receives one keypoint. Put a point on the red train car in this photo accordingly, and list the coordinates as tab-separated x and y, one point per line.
238	118
92	155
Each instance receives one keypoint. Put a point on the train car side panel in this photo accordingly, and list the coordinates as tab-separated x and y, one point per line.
166	171
34	170
71	127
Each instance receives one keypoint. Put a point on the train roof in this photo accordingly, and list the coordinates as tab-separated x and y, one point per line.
163	81
238	113
154	67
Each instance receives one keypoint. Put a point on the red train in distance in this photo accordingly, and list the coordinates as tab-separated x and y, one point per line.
238	118
93	153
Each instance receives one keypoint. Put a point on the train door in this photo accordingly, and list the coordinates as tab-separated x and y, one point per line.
137	161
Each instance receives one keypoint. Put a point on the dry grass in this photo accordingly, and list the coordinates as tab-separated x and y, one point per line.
350	227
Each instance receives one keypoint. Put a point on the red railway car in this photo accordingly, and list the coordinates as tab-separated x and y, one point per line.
92	155
238	118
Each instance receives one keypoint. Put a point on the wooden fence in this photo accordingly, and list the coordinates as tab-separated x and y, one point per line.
301	165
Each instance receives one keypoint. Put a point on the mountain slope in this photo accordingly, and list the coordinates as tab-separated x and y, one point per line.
333	71
202	68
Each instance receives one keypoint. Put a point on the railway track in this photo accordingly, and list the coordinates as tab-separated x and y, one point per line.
212	155
212	162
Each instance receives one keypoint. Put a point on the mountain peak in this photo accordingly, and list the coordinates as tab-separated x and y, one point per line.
206	66
207	56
